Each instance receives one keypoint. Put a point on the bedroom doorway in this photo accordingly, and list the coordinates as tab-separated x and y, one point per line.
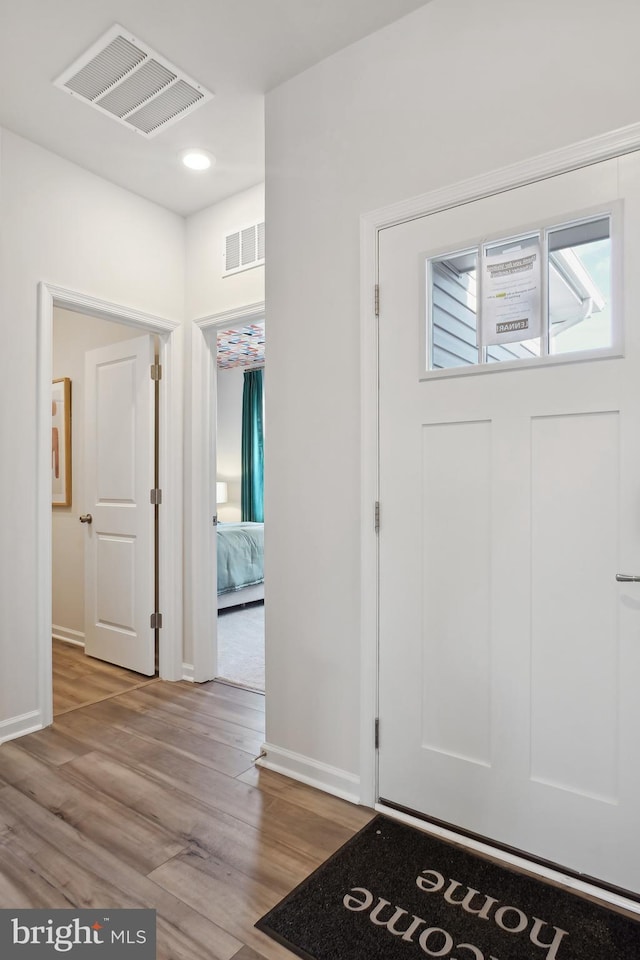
239	352
168	337
218	382
202	560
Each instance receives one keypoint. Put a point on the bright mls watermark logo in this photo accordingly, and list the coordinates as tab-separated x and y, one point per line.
111	934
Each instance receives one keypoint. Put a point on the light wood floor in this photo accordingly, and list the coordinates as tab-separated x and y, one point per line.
151	799
79	680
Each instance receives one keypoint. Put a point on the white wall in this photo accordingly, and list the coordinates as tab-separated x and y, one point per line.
229	440
454	90
60	224
208	290
73	335
208	293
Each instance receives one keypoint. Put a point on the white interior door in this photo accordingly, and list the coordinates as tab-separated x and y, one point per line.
509	654
119	475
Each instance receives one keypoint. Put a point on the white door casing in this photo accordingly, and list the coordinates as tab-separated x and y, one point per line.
202	558
509	657
171	337
119	475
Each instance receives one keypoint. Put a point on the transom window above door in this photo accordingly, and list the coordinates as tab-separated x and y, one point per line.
541	295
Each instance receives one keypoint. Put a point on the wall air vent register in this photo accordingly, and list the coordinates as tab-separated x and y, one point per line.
244	248
125	79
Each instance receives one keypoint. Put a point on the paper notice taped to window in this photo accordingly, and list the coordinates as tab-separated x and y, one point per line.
510	295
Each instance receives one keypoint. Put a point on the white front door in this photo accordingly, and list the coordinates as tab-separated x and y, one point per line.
509	655
119	475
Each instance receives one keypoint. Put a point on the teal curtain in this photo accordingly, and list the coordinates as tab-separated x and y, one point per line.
252	447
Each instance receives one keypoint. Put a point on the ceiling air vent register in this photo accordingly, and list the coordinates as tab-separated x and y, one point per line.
128	81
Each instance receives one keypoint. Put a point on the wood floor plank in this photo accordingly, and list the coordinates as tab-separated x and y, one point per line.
99	683
149	799
94	694
93	734
79	680
347	814
90	690
231	901
185	718
191	937
228	691
71	659
133	838
17	762
220	835
52	746
23	887
208	704
283	822
89	727
62	704
90	876
246	953
208	751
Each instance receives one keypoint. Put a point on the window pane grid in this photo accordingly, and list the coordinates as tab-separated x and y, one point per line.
543	293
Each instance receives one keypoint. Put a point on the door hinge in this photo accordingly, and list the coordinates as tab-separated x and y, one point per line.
376	733
156	621
376	517
155	496
156	371
376	300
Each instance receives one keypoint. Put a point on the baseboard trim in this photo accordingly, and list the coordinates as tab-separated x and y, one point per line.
76	637
324	777
19	726
188	673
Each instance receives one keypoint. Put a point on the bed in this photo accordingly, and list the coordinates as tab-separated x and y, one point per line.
240	549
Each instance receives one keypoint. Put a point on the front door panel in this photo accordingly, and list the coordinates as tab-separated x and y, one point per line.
509	654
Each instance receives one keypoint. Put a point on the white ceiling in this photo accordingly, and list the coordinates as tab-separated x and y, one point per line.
239	49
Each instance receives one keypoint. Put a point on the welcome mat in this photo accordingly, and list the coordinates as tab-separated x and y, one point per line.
395	893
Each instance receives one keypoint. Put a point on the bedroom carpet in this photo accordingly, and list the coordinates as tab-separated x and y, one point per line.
396	893
241	645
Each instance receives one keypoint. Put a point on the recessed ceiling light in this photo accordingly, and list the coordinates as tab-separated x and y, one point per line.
197	159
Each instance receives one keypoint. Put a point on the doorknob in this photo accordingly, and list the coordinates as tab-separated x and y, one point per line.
627	578
86	518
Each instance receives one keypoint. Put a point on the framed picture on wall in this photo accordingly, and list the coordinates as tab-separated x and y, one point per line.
61	442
